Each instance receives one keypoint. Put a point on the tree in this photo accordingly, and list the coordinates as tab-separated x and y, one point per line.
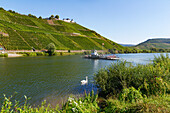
10	11
30	15
52	16
40	17
51	48
57	16
2	8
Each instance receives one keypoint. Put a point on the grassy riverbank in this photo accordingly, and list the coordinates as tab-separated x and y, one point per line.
123	88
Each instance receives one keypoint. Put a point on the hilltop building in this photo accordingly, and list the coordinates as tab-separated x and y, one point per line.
68	20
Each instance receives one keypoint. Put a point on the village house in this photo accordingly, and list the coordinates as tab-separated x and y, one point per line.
68	20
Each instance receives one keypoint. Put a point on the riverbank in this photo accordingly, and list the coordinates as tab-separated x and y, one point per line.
20	53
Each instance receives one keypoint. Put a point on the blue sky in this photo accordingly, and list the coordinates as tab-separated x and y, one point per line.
123	21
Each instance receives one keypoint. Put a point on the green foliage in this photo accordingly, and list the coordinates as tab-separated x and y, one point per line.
9	107
130	95
4	55
30	54
153	104
1	55
52	16
51	48
87	52
87	104
57	16
151	79
30	15
1	8
40	17
40	53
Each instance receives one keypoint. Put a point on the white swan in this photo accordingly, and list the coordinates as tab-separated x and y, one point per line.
84	81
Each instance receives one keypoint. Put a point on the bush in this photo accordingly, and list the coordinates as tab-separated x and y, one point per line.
86	104
40	53
30	54
148	105
151	79
46	54
61	53
130	95
1	55
6	55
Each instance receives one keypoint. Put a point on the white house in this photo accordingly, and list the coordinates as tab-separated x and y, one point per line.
68	20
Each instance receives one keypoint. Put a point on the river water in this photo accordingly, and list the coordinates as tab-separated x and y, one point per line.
54	78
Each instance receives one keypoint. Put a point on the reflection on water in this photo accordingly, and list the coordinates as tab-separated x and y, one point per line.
54	78
96	62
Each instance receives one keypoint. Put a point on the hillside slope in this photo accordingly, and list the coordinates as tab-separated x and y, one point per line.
161	43
22	32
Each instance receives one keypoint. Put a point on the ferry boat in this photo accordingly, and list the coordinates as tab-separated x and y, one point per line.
95	55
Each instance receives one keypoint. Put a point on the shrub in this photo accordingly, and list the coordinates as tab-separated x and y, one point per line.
61	53
148	105
6	55
1	55
130	95
86	104
151	79
40	53
46	54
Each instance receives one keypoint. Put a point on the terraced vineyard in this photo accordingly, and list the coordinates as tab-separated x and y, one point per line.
22	32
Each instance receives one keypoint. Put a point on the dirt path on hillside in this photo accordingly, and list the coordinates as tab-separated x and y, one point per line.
50	22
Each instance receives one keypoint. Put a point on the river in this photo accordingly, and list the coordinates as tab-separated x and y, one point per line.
54	78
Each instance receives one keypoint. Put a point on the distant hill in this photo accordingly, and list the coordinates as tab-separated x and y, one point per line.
127	45
22	32
161	43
